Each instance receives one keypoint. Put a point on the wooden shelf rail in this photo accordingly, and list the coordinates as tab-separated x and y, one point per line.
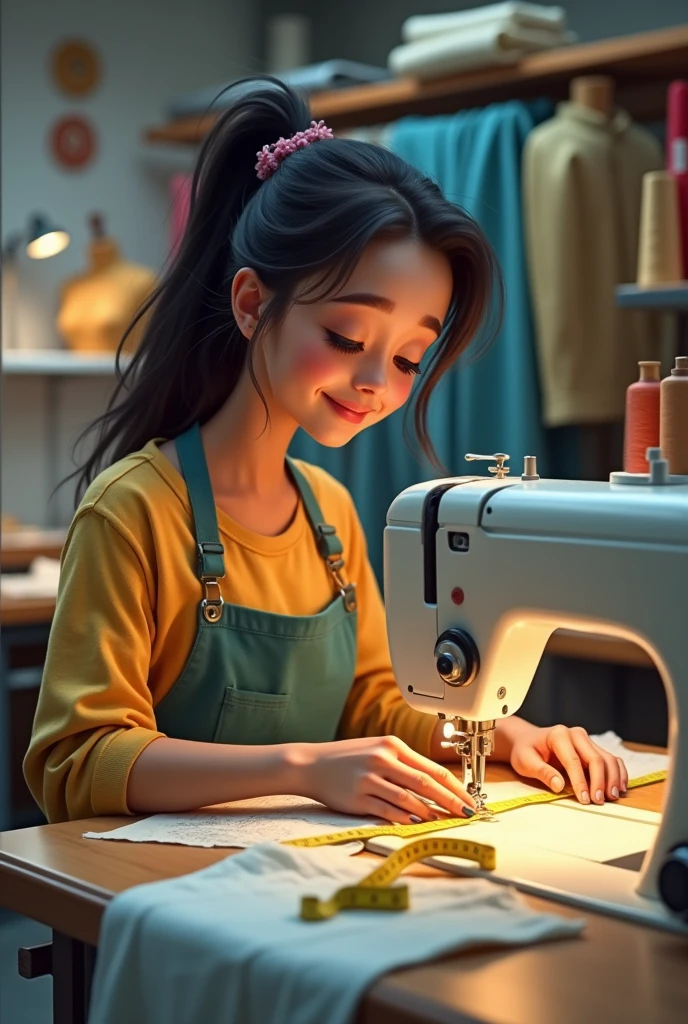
642	65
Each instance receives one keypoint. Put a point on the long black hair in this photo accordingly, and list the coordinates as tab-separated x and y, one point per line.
312	219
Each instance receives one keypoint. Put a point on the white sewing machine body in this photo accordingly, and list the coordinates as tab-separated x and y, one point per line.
506	563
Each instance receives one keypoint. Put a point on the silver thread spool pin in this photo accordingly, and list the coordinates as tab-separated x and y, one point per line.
500	470
530	468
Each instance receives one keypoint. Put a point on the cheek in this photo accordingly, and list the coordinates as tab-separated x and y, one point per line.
314	365
400	388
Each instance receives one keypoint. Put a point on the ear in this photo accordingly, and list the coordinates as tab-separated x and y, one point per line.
249	299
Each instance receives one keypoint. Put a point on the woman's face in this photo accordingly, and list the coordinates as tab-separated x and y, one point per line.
340	365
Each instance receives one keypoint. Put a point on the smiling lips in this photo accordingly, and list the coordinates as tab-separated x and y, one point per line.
347	412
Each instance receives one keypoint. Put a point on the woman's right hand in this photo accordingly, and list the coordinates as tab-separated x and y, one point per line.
373	775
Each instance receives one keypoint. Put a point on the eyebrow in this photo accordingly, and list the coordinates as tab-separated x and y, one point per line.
386	306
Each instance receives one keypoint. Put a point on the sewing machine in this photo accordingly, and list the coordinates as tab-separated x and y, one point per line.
480	571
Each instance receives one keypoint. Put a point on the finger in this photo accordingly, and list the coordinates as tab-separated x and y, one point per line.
612	775
533	766
428	788
410	802
602	767
592	757
388	812
559	742
426	768
623	774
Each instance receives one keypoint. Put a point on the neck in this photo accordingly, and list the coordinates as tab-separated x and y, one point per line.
595	92
245	456
103	252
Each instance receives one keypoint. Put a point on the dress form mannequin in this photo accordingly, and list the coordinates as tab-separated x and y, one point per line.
596	92
97	306
582	174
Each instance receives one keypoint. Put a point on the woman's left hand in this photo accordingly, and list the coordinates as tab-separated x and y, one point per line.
556	751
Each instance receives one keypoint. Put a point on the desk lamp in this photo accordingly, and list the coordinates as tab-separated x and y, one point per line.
42	239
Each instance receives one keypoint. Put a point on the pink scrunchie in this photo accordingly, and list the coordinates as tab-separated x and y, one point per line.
270	157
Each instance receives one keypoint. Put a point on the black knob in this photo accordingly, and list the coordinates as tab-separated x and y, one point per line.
456	657
673	880
445	665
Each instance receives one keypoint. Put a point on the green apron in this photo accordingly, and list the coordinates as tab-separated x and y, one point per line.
254	676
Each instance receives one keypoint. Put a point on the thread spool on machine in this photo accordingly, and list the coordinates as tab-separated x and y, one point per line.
642	417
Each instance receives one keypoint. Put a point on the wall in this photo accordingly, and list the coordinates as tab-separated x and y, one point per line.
150	52
367	31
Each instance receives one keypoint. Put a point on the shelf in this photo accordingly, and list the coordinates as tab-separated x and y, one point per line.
666	297
52	362
642	65
20	547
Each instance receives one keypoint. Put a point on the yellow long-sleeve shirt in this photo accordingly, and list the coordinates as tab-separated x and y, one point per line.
126	619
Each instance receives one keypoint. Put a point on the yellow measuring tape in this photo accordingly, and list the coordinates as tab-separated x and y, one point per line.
374	891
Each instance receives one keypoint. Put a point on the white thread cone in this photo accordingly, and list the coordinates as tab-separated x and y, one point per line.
659	248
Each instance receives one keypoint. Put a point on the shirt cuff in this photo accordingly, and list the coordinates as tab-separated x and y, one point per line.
111	774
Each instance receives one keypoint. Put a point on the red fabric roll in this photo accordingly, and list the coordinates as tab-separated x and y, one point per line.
677	154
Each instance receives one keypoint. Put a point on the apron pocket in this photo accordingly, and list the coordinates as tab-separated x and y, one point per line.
248	716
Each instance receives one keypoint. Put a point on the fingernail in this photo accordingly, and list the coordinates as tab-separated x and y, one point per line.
415	819
433	817
624	787
599	796
615	793
585	797
557	783
468	812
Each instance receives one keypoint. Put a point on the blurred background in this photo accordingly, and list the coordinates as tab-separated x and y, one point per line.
103	108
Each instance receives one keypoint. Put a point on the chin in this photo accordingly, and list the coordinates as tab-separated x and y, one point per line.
331	438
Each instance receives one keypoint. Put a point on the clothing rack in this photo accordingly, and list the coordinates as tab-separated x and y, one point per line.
642	66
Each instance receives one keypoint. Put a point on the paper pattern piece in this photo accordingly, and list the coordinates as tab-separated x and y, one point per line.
240	823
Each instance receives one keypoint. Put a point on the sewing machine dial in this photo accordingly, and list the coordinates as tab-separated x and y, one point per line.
456	657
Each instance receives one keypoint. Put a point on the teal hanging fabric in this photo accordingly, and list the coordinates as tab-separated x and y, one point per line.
489	405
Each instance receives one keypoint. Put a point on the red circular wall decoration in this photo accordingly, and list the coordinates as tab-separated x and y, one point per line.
75	67
72	142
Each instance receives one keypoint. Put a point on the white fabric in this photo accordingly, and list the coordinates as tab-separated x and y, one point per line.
40	581
526	15
638	762
226	945
498	42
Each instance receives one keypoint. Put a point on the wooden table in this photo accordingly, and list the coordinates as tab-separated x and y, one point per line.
614	972
20	547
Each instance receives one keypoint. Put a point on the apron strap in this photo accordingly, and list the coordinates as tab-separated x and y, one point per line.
211	563
328	543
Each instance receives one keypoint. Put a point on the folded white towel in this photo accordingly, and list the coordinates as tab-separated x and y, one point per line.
226	945
523	14
475	47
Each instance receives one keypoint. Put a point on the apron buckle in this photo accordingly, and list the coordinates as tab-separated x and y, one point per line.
212	603
347	590
349	595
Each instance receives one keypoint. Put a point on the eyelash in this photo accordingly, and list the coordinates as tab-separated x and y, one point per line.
351	347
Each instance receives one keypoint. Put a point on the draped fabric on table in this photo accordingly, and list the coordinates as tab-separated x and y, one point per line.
489	405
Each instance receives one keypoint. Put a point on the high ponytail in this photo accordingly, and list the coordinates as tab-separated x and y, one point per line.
192	353
310	221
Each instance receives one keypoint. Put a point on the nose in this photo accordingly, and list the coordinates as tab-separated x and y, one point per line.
371	378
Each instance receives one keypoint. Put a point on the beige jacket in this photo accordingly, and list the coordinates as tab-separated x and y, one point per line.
582	178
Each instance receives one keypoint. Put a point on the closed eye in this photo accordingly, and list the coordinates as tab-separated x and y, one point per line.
342	344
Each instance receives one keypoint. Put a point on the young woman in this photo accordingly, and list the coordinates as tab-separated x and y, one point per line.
219	633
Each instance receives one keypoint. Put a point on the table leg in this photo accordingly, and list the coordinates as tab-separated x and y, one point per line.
73	963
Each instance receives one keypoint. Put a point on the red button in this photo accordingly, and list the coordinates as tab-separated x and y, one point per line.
457	595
